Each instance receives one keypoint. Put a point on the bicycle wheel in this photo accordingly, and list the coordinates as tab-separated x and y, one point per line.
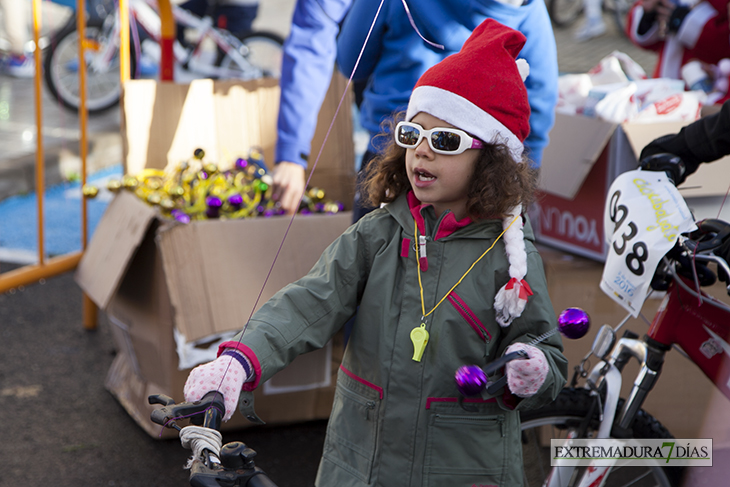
61	69
263	50
564	415
564	12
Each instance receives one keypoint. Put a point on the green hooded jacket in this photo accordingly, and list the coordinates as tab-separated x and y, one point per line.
395	421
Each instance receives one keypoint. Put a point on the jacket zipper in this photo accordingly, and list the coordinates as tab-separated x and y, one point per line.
476	419
470	318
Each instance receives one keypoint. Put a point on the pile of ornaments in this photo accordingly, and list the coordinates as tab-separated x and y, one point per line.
197	190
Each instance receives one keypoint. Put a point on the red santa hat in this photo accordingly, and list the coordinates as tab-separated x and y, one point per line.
481	90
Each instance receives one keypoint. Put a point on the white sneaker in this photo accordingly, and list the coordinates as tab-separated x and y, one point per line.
20	66
589	30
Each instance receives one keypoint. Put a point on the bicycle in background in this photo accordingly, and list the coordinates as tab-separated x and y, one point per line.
208	52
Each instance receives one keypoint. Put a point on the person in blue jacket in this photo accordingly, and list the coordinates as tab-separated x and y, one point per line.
307	66
396	56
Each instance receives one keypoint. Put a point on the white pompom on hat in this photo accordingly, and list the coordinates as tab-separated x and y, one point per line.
481	90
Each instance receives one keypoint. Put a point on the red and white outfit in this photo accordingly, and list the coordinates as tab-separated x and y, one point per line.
703	35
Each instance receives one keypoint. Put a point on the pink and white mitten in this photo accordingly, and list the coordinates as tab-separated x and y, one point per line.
526	376
226	374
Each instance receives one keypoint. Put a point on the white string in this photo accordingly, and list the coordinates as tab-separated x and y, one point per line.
199	438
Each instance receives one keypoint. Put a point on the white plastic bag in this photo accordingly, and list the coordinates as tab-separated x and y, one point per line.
680	107
619	105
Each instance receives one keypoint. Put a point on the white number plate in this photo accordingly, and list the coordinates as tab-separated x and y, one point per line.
643	218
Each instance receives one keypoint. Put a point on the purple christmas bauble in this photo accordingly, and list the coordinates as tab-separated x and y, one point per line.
573	323
470	380
214	205
180	216
241	163
235	200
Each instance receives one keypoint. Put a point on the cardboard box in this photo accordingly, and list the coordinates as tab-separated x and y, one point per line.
684	400
163	124
173	292
583	158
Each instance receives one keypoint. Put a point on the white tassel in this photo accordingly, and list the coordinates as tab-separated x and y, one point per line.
523	68
510	301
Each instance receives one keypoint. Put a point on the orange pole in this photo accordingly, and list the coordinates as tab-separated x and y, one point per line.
89	311
33	273
39	157
124	71
167	39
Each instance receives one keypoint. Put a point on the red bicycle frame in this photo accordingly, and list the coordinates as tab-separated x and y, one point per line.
700	329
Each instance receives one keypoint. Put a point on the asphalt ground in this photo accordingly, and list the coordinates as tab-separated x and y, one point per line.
61	426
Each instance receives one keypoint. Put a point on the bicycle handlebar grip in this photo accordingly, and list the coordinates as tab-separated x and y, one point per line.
214	413
502	361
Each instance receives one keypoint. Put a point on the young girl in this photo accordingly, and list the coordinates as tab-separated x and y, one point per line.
441	276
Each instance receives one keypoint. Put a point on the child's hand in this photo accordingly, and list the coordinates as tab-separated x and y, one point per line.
224	374
525	377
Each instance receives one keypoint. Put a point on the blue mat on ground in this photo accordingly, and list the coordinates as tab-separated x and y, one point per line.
62	218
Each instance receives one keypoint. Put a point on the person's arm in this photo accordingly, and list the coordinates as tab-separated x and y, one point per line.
354	32
307	66
537	318
703	29
541	54
704	140
642	26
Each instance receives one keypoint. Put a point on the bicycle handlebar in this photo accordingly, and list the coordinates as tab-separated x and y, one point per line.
712	233
233	465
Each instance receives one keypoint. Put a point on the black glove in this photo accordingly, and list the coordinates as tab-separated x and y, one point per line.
676	19
672	165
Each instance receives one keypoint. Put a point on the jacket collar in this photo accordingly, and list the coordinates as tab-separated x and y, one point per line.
401	211
446	225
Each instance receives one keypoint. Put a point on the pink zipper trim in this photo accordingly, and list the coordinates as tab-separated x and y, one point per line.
430	400
469	316
362	381
405	247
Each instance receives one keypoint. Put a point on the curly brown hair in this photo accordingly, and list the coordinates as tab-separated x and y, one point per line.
498	184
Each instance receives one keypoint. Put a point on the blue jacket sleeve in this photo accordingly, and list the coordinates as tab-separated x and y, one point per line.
354	32
307	65
541	53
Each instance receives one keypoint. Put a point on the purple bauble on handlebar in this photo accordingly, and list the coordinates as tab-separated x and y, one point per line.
470	380
573	323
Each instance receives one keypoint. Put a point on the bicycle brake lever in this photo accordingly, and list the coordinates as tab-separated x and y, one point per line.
211	406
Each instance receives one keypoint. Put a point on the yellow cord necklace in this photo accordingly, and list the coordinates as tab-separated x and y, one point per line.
419	335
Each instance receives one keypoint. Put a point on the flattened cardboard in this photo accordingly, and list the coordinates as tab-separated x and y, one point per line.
165	122
112	246
215	271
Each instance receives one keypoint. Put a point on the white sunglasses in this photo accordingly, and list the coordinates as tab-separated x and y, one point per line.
441	140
